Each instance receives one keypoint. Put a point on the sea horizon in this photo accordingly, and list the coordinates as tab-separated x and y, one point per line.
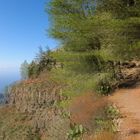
7	78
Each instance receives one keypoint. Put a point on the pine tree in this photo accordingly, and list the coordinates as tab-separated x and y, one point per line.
24	70
122	39
107	30
72	24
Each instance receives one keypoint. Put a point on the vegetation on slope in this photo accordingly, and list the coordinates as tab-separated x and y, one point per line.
97	39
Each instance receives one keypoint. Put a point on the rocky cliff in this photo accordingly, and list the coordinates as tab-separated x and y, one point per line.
35	104
129	73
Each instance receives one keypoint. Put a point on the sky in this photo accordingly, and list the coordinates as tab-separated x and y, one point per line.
23	28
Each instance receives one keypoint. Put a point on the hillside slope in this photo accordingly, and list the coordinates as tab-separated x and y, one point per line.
40	109
32	112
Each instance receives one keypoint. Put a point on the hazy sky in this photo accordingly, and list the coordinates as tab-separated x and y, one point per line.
23	25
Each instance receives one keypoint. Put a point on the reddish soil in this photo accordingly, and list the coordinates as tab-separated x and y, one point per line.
128	101
84	108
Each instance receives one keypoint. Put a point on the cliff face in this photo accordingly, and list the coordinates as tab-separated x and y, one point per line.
36	102
129	74
29	96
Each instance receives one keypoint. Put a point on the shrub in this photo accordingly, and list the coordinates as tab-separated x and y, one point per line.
75	132
105	83
107	119
43	62
33	70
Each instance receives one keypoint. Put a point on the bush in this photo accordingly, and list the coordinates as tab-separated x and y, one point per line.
105	83
104	87
42	62
75	132
33	70
107	119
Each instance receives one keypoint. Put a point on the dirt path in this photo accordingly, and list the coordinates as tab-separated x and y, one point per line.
84	108
128	101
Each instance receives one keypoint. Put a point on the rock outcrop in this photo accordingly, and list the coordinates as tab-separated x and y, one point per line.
129	74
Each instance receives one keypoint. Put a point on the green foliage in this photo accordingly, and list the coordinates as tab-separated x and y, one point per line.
65	114
89	25
94	33
102	25
121	8
43	61
24	70
112	112
69	20
107	120
80	62
77	83
74	84
105	83
76	132
64	103
33	70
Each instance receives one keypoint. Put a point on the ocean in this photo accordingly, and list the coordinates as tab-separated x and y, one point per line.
7	79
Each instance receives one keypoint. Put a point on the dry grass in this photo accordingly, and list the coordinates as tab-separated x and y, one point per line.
104	136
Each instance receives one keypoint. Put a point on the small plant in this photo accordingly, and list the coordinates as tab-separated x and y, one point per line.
105	83
75	132
112	112
65	114
107	121
104	87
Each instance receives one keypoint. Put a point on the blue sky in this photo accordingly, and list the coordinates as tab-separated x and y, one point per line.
23	25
